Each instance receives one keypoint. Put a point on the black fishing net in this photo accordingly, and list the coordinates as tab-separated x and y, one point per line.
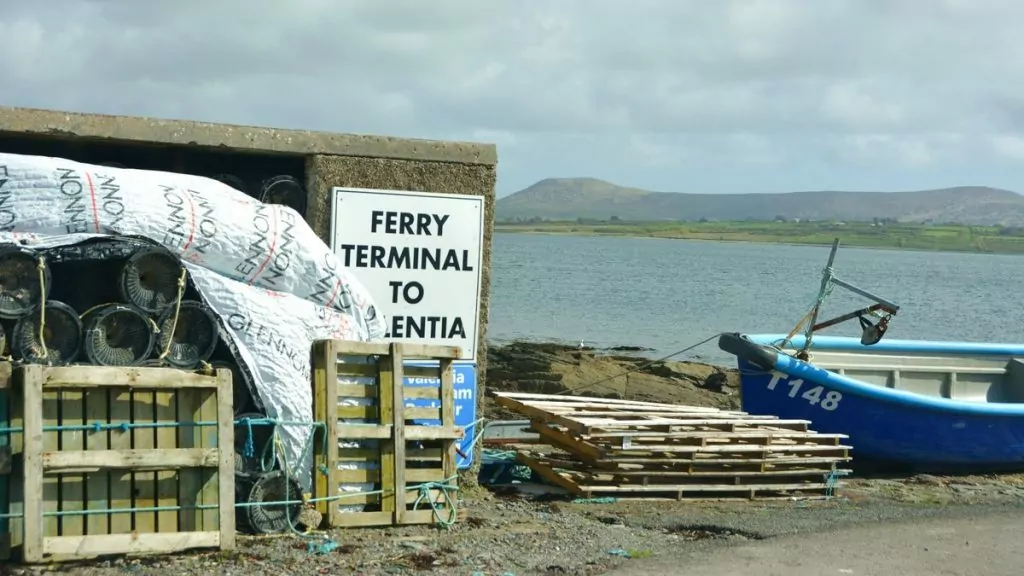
58	342
265	517
117	335
20	288
149	280
233	181
284	190
191	331
241	397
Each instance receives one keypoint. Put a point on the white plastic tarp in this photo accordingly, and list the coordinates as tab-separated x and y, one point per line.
273	283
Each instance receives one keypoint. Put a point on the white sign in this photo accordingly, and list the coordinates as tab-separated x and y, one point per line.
419	255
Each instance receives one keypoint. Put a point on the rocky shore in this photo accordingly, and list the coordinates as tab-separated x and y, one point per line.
513	534
548	368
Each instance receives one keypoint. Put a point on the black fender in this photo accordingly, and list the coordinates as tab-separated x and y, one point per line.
743	348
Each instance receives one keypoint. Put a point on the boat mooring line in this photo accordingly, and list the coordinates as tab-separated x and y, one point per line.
640	366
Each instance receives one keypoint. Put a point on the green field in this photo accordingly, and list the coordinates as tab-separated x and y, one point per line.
947	237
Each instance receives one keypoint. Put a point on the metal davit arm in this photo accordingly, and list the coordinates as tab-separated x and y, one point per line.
870	333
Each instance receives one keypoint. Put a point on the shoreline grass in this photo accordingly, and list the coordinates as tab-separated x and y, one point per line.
888	235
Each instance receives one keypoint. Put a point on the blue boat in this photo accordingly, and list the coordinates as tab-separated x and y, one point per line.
911	404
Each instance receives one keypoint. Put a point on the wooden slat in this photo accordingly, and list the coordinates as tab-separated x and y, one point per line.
369	432
120	482
144	487
388	402
50	409
358	412
357	390
31	386
421	372
210	481
142	459
226	464
15	487
121	377
356	370
72	486
397	362
97	484
429	351
371	455
351	348
166	480
422	392
422	413
105	545
742	433
450	462
412	476
189	480
325	401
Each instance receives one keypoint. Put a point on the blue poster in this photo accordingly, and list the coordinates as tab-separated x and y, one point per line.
465	404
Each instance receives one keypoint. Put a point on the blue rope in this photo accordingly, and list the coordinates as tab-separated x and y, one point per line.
832	481
250	445
125	426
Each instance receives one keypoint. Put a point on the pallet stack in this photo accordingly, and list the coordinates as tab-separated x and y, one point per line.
643	449
391	459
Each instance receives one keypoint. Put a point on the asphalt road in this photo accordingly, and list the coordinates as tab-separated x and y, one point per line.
984	546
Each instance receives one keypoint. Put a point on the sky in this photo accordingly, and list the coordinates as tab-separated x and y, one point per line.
710	96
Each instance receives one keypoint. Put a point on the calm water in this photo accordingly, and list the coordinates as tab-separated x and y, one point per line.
669	294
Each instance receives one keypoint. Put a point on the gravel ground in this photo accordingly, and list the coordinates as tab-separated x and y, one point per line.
519	535
512	534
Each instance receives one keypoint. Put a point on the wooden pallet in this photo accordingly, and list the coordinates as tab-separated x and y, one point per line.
573	477
405	455
618	445
129	473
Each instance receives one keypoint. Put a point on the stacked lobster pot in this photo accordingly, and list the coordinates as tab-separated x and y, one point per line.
108	303
62	310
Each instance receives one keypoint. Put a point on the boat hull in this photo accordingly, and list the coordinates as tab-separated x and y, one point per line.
885	425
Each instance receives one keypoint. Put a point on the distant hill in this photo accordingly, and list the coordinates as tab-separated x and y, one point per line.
572	198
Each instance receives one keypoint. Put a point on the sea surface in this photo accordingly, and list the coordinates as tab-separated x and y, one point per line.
669	294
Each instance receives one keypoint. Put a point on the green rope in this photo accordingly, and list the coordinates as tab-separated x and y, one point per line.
445	489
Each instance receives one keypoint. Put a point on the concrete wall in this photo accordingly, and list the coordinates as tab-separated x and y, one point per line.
102	127
331	160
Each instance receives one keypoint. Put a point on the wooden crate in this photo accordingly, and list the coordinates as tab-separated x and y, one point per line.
110	461
405	455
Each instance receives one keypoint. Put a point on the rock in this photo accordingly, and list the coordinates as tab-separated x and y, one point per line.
926	479
309	518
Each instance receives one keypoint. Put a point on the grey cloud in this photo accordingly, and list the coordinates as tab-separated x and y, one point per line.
642	83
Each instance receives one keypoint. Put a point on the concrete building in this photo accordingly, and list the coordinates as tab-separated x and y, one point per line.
320	160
